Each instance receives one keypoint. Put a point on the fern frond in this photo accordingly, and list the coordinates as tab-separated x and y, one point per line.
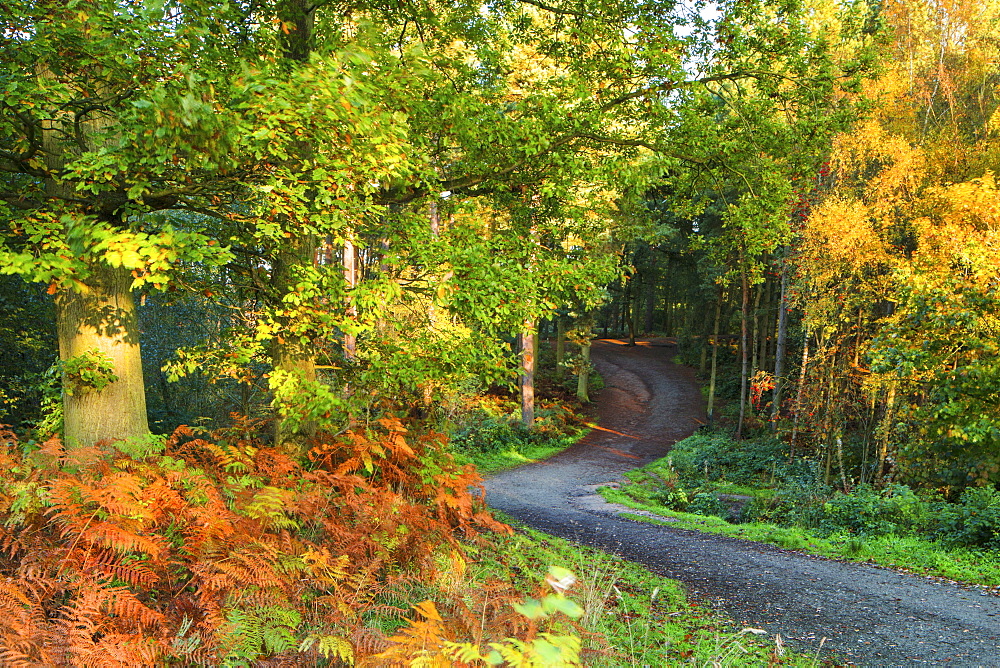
329	647
11	595
113	536
123	603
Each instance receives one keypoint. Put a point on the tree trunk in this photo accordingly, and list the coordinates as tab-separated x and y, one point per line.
102	319
798	396
583	376
288	354
828	412
629	305
528	374
560	347
885	428
621	326
298	18
350	282
536	342
427	387
650	305
100	316
760	322
715	360
744	317
755	336
705	330
583	379
779	352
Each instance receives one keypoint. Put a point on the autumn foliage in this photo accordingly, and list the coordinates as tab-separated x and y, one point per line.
222	551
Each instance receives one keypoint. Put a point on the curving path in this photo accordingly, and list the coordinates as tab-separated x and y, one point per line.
870	615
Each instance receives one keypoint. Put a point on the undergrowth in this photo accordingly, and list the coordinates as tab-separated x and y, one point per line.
220	551
487	431
629	616
493	438
753	490
216	550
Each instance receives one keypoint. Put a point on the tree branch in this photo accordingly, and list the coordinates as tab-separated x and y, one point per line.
20	202
639	144
671	85
554	10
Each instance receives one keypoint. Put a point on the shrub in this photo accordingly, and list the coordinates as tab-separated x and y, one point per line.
714	457
483	432
219	551
972	522
708	503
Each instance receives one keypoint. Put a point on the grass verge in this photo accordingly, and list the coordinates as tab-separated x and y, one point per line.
905	553
494	461
632	617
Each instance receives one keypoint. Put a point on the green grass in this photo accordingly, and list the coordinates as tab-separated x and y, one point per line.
906	553
496	461
631	616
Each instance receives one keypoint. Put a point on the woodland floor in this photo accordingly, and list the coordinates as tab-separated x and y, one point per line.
870	616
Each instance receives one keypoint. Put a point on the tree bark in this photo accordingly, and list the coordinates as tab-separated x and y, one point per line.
760	322
288	353
715	360
650	305
434	215
102	319
528	374
583	379
99	315
885	428
351	282
745	353
798	396
629	306
560	347
298	19
705	330
755	337
583	375
828	412
779	351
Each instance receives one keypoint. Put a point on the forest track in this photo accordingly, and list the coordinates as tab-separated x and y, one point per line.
870	616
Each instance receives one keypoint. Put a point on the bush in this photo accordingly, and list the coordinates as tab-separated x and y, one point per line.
220	552
708	503
483	432
973	522
865	511
699	463
758	462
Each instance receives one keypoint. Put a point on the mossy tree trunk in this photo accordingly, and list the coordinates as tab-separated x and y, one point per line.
102	319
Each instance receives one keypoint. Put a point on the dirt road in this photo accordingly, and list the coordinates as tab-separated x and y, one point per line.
872	616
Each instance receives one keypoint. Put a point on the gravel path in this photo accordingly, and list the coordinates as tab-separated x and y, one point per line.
869	615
